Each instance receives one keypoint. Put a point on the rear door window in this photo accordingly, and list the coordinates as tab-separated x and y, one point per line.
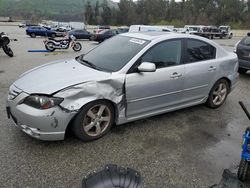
197	50
246	41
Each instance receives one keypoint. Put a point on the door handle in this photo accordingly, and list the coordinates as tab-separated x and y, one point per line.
211	68
176	75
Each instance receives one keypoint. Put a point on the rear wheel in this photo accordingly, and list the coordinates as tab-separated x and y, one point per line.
94	120
218	94
50	46
33	35
242	70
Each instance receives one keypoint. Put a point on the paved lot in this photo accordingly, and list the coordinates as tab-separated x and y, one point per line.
186	148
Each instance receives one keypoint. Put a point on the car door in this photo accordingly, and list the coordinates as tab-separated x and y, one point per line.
37	31
147	92
43	31
78	34
110	34
200	70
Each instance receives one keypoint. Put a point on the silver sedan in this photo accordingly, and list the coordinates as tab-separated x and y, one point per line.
128	77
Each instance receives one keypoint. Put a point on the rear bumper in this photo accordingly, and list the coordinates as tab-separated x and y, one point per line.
244	64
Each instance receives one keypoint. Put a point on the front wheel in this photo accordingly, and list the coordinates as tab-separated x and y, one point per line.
8	51
93	121
77	47
218	94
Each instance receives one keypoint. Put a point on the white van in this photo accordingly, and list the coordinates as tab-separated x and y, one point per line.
77	25
148	28
193	28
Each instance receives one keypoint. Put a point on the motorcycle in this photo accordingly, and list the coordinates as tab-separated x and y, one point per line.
4	43
52	44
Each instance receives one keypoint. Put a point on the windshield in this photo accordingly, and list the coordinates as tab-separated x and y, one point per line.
115	53
223	28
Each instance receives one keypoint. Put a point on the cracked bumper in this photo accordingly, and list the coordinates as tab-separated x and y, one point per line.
49	125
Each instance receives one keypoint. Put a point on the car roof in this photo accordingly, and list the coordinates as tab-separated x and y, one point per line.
158	35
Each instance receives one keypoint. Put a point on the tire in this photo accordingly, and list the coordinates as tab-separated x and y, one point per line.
53	35
88	120
33	35
8	51
49	46
113	176
244	171
210	37
242	70
218	94
230	36
77	47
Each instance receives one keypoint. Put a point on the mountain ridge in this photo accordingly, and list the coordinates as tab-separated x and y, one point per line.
62	10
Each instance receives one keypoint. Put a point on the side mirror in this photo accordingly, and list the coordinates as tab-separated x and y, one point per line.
147	67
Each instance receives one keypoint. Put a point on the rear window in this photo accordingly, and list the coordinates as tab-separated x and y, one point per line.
246	41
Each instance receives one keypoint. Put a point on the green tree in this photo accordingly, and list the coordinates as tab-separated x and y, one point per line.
89	16
106	13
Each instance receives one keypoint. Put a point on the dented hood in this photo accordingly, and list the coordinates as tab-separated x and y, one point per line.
52	77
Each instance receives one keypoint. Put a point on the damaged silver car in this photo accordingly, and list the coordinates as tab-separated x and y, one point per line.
128	77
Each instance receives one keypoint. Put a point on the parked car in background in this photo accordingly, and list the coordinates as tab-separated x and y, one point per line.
40	31
242	49
129	77
184	30
63	29
100	28
194	28
149	28
22	25
80	34
123	29
226	30
77	25
103	35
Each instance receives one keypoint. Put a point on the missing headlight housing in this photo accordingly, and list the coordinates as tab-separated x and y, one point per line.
42	102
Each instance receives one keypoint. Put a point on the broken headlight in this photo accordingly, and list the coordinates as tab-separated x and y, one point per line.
42	102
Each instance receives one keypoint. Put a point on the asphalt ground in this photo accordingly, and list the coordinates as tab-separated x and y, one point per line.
185	148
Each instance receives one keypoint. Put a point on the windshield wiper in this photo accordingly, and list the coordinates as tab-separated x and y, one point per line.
80	58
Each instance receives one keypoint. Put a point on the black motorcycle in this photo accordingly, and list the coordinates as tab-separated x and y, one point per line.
4	43
52	44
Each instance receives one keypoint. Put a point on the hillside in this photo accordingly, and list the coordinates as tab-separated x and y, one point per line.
63	10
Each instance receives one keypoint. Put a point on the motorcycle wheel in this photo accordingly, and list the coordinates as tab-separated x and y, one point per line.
49	46
77	47
8	51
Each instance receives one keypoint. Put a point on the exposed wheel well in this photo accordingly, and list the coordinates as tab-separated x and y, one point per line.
109	101
228	81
